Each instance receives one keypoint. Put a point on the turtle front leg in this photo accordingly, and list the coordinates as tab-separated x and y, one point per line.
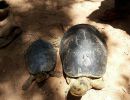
97	83
28	82
55	74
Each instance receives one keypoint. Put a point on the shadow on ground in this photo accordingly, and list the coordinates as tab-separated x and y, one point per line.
123	24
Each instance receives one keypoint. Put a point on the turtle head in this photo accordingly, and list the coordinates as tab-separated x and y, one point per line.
79	86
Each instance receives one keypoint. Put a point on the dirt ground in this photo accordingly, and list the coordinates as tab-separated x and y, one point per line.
49	19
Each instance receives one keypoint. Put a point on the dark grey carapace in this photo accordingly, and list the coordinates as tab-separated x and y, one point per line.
41	60
83	54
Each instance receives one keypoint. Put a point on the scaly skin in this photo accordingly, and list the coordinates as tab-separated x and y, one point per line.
79	86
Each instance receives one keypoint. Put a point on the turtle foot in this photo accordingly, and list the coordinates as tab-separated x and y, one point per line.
97	83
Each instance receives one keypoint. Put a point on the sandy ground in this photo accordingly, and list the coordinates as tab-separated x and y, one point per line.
49	19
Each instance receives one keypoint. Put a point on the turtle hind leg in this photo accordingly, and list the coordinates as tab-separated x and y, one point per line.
28	82
55	74
97	83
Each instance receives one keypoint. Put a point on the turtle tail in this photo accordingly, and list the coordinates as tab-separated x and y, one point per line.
28	82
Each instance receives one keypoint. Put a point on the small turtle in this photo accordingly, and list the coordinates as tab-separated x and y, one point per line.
84	57
41	60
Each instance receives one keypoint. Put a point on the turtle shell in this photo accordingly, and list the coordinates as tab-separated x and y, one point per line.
82	52
40	57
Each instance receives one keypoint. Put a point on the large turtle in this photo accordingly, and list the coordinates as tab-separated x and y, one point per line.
84	56
41	60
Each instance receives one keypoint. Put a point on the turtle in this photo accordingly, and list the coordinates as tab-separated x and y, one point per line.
40	59
83	54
